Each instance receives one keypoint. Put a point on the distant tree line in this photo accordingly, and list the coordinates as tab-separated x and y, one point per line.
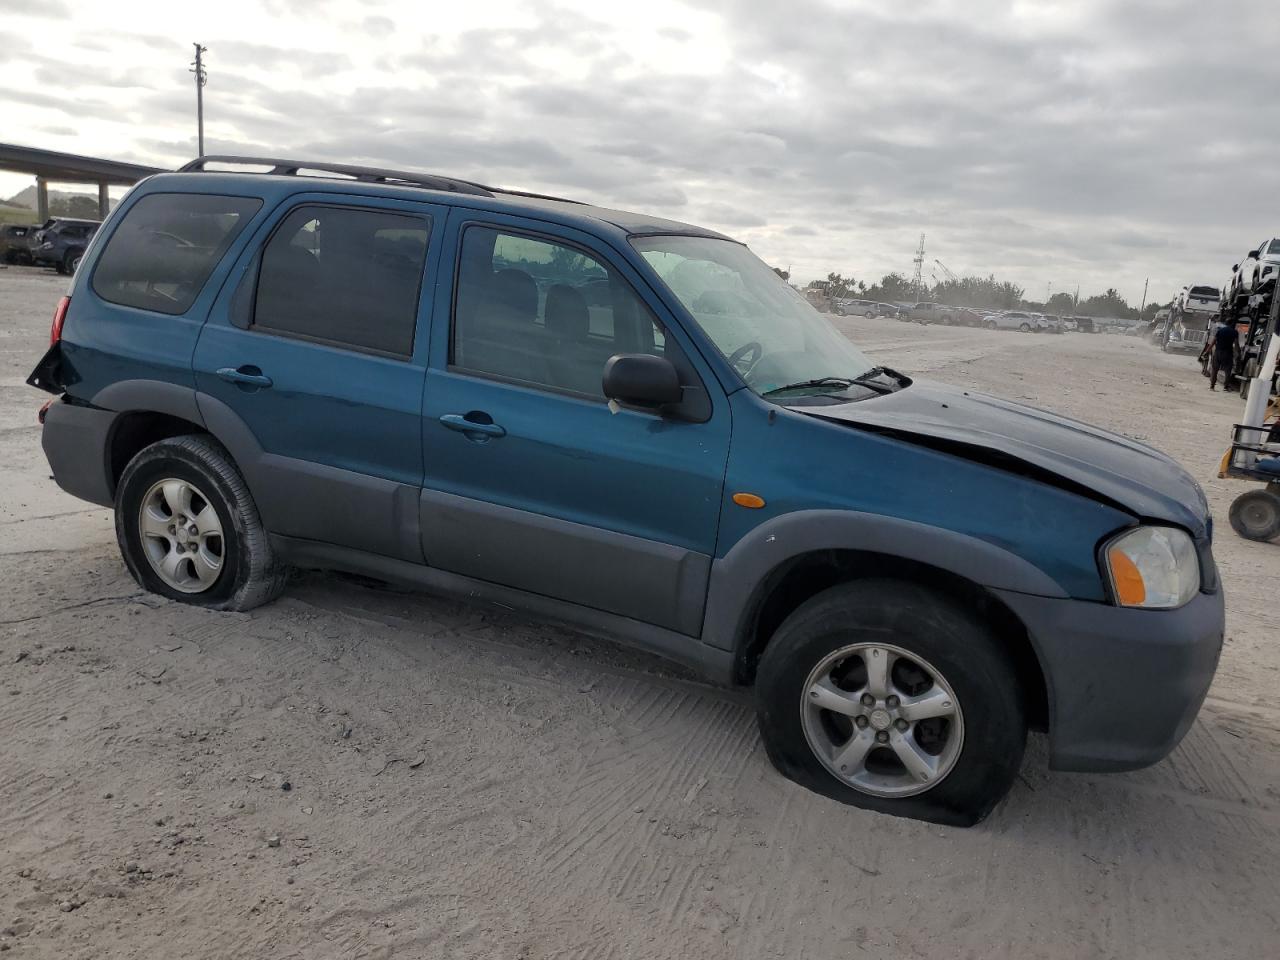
979	293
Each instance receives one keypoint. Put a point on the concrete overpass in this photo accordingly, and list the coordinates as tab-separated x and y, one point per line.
51	166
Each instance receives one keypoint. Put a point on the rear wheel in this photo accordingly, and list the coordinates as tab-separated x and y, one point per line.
870	314
1025	328
884	695
1256	515
71	263
189	530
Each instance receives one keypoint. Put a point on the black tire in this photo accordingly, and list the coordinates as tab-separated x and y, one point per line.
1025	328
870	314
920	622
1256	515
71	263
60	268
250	575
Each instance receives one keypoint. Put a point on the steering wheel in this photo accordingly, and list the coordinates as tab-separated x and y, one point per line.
750	349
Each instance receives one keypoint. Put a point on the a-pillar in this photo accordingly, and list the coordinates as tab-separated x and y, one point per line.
104	202
42	199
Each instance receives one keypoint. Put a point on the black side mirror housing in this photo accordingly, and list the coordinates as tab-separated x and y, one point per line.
641	380
1253	255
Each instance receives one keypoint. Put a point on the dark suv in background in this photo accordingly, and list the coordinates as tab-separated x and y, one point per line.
13	242
61	242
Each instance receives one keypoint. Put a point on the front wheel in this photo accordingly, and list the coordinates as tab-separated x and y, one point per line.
1025	328
189	530
884	695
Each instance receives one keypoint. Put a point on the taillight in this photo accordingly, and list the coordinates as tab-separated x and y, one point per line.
59	316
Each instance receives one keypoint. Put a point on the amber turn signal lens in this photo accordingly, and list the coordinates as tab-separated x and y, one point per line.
748	500
1130	588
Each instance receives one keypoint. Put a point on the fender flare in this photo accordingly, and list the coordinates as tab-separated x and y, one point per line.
738	579
151	396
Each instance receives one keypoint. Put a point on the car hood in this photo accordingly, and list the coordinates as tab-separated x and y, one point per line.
1034	442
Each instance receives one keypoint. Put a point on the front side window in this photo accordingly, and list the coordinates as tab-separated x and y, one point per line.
762	325
541	312
161	255
343	276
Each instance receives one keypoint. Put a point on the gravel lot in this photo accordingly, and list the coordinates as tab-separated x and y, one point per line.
357	771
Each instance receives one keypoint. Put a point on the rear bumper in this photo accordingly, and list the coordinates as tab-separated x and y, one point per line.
75	441
1124	685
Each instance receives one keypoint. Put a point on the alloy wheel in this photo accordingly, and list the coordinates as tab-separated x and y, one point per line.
181	535
882	719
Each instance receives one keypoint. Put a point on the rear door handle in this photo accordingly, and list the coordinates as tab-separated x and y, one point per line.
250	376
474	429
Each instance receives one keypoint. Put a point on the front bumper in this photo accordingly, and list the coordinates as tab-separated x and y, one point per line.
1124	685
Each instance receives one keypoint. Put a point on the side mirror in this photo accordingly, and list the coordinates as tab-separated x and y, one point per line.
641	380
1253	255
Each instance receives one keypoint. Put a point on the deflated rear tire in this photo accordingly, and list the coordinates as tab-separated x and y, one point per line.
884	695
189	530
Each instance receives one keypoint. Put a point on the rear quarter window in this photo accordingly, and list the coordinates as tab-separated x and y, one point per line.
161	255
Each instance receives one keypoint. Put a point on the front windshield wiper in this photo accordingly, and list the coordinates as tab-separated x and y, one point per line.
875	373
840	382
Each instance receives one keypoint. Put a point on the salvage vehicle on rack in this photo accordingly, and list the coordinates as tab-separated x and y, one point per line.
400	374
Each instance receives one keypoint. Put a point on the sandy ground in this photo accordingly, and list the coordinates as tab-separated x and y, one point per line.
356	771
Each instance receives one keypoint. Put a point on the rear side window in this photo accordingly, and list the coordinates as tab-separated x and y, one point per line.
161	255
344	276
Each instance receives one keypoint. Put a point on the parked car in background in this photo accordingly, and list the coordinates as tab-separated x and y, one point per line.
863	308
1011	320
1084	324
930	312
887	309
967	317
14	243
1047	323
401	376
61	243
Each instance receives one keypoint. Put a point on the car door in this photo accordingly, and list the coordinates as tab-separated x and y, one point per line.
532	480
311	365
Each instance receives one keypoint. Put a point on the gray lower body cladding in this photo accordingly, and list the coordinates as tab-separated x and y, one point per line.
75	443
1124	684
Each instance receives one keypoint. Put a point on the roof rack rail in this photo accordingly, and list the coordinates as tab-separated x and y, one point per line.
292	168
395	178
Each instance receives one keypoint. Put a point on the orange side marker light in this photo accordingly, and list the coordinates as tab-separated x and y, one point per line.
748	500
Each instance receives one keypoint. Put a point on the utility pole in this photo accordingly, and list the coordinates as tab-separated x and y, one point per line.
197	67
1076	304
919	262
1048	292
1144	297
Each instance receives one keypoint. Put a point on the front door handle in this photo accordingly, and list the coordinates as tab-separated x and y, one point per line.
475	429
249	376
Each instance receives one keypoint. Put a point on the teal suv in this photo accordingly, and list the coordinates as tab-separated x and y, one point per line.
632	426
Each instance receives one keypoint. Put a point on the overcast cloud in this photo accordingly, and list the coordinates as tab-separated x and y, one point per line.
1083	142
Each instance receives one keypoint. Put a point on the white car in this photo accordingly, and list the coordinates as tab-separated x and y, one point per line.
1010	320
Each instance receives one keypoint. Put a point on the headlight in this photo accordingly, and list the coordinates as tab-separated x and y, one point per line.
1154	567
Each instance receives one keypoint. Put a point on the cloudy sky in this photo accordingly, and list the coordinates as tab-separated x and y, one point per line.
1090	142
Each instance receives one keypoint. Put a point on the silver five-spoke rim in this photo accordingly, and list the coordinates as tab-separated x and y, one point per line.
181	535
882	719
